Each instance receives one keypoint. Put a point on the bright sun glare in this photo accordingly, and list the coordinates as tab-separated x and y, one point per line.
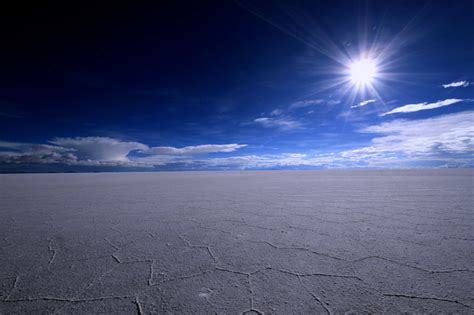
363	71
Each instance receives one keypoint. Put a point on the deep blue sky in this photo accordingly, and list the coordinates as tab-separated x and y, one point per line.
235	85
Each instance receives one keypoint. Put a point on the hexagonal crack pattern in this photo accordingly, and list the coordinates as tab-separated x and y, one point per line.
238	242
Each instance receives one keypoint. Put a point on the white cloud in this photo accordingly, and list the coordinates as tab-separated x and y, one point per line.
258	161
446	139
198	149
101	151
32	147
26	153
281	123
99	148
363	103
452	133
333	102
422	106
456	84
95	151
276	112
14	145
301	104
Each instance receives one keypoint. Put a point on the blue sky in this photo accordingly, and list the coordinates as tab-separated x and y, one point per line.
237	85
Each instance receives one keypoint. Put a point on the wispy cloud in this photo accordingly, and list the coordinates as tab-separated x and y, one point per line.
456	84
198	149
9	115
363	103
333	102
289	110
422	106
281	123
306	103
276	112
10	110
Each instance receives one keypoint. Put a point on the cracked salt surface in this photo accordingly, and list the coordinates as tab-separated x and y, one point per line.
328	242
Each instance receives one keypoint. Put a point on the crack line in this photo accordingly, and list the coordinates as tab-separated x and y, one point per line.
426	298
139	306
188	243
315	297
297	248
15	283
411	266
56	299
51	249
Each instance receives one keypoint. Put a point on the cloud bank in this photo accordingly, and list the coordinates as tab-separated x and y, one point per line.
99	151
442	140
198	149
99	148
447	134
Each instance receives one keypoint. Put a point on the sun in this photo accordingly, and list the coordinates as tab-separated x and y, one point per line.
363	71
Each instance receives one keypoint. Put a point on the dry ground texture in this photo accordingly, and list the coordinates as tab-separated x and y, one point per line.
238	242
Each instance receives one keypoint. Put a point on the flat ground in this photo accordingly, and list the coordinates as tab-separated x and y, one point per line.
234	242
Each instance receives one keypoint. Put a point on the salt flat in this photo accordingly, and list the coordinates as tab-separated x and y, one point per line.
233	242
